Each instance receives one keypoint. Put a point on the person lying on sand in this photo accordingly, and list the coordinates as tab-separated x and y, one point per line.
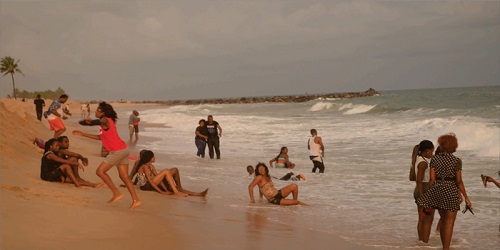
57	169
266	187
168	181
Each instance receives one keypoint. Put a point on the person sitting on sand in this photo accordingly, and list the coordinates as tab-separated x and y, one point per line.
57	169
266	187
282	160
168	181
71	156
487	179
289	176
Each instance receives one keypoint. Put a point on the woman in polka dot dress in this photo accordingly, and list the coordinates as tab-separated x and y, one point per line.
446	186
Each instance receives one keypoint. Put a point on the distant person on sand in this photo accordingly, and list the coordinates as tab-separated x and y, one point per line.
85	111
39	104
168	181
316	151
200	140
55	115
214	131
118	149
421	156
133	124
446	186
282	160
57	169
70	155
266	187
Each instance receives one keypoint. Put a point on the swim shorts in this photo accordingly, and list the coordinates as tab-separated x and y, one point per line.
56	124
277	198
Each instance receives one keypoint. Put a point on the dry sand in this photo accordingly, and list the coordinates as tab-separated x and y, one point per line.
42	215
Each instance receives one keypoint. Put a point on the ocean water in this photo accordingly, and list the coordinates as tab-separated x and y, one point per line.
364	195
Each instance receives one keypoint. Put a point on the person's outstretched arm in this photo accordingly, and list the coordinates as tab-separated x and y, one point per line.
490	179
251	186
80	133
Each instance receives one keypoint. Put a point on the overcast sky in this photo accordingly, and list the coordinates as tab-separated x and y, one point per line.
157	50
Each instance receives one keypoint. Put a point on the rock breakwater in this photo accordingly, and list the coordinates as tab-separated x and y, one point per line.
285	98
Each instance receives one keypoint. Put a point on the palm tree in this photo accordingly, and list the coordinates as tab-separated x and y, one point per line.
10	67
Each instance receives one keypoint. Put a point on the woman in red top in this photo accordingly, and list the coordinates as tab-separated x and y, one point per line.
118	155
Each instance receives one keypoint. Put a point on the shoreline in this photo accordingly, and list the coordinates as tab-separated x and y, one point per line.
43	215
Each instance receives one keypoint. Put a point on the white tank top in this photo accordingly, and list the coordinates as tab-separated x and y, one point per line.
427	171
314	147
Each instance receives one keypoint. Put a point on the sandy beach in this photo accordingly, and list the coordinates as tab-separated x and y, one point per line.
42	215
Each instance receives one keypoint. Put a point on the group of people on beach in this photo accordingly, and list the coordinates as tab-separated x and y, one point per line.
437	173
439	185
61	165
208	132
264	180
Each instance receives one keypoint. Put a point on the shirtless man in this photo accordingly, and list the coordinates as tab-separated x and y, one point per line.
315	146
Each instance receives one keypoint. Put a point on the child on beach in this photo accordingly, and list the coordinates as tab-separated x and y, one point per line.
57	169
282	160
266	187
118	155
168	181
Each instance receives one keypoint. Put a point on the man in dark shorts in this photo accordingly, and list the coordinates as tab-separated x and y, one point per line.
214	131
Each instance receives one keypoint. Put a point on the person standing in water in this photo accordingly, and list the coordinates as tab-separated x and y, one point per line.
316	151
421	157
446	185
133	124
118	155
200	140
214	132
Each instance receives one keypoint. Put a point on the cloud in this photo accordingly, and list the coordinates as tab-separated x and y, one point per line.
234	48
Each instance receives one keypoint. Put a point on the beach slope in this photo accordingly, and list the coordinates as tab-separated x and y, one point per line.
41	215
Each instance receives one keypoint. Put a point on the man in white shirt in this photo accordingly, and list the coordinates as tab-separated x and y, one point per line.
316	151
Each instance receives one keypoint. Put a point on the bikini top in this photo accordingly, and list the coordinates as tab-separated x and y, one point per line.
268	190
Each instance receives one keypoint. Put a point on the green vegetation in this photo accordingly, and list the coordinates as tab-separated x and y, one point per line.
9	66
47	94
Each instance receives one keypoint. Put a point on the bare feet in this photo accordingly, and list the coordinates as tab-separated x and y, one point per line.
115	198
135	204
204	193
